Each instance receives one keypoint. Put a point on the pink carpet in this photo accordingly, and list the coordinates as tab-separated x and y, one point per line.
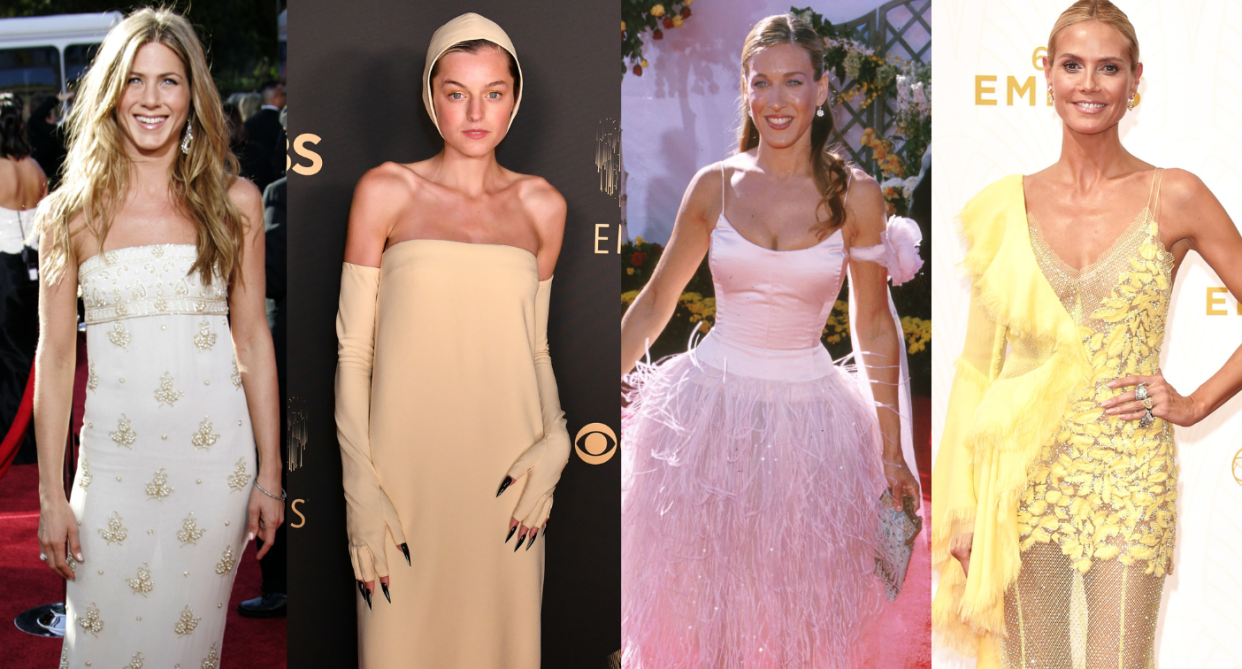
25	582
901	638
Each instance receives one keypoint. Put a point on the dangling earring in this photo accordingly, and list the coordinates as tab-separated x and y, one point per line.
189	135
819	112
1050	94
1130	103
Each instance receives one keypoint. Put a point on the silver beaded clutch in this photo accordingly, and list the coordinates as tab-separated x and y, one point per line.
897	532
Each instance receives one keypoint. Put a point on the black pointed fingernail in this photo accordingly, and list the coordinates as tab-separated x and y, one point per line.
362	590
366	594
519	543
387	596
532	539
405	548
510	534
504	485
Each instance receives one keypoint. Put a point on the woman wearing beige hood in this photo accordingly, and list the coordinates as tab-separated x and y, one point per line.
444	386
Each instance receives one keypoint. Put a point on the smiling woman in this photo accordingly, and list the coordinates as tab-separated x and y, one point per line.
755	466
156	101
164	243
1057	479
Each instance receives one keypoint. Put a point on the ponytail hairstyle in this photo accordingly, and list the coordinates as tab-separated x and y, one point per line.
12	138
828	169
97	167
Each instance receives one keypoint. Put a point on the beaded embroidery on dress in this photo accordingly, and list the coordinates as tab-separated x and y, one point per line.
1096	524
164	432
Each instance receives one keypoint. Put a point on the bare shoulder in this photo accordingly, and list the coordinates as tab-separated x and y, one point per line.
865	210
382	194
34	166
1180	188
704	194
245	195
542	202
388	180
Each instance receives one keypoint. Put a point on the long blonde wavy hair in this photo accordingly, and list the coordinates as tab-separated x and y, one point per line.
97	169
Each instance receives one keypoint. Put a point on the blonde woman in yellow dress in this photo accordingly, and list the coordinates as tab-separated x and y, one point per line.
1056	481
445	391
165	243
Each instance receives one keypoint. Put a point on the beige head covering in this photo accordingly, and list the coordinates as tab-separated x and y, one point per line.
469	26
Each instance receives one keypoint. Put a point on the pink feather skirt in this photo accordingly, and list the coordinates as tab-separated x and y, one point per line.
750	485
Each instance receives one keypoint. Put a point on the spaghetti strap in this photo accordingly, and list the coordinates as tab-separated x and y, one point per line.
723	184
1157	180
849	178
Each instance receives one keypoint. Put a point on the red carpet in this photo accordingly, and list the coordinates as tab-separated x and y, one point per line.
25	582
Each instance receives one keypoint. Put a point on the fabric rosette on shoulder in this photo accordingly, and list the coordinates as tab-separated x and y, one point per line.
901	249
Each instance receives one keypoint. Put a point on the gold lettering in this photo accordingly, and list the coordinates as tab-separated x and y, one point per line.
1026	90
299	147
1037	58
1214	302
980	89
293	506
600	238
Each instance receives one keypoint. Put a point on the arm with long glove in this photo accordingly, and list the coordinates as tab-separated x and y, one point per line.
369	515
543	462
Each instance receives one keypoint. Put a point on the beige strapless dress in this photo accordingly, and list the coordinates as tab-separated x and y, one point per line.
454	400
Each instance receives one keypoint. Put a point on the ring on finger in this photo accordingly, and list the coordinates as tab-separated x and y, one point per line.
43	557
1140	391
1149	403
1147	418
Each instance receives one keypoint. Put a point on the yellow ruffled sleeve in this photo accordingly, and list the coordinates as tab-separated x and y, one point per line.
1021	362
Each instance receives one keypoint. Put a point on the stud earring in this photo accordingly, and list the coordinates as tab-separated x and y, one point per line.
1130	103
1050	94
189	135
819	112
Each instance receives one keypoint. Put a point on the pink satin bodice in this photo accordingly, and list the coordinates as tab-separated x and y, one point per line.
776	300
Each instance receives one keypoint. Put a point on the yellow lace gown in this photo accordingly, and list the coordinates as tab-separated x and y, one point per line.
1096	522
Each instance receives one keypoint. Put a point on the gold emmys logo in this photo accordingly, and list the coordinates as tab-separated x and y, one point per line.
596	443
300	148
1216	301
293	506
1026	90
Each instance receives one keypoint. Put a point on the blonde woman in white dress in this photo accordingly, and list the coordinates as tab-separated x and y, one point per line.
165	244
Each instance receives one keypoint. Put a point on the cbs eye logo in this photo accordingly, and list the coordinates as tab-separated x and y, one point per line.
596	443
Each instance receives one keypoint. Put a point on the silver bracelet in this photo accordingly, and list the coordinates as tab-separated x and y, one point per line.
283	494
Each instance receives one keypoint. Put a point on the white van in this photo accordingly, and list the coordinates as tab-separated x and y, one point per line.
47	53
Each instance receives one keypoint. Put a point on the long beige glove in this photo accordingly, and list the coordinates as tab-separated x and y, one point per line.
545	459
369	515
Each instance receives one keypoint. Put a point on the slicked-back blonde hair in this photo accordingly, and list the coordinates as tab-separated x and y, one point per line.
1097	10
97	168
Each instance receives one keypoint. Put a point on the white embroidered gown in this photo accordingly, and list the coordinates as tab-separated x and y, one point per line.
167	462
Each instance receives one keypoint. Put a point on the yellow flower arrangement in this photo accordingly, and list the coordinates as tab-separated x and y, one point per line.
917	332
702	310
